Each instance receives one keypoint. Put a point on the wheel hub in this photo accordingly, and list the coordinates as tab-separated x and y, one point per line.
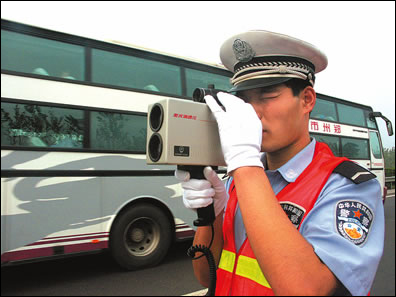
137	235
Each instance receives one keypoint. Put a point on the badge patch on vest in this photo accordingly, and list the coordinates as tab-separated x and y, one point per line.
353	221
294	211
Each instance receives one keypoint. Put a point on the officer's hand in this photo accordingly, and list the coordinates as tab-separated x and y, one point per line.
240	131
198	193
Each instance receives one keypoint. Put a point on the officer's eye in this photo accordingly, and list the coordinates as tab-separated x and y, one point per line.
268	96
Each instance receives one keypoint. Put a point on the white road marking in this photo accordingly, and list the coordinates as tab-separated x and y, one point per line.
197	293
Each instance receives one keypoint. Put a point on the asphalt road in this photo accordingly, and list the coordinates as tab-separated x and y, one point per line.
384	282
98	275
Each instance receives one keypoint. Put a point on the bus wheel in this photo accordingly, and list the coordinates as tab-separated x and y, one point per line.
140	237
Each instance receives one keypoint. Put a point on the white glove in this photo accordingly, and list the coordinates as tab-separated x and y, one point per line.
240	131
198	193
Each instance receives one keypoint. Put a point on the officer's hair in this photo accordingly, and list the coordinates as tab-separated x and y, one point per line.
297	85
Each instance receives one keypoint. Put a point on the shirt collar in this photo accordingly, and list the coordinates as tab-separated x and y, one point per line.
296	165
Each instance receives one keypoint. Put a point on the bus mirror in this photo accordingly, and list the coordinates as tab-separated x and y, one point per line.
389	127
375	114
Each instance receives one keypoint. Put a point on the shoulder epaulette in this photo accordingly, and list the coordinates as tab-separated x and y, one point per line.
354	172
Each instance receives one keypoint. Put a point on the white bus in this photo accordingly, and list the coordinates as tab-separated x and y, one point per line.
73	135
351	131
74	177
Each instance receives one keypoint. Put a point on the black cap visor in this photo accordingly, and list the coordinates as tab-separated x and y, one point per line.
259	83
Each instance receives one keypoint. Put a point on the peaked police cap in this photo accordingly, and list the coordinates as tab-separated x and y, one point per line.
261	58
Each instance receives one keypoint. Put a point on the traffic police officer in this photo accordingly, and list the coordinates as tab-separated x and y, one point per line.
296	220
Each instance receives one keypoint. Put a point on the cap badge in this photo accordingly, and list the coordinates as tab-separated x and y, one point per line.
242	50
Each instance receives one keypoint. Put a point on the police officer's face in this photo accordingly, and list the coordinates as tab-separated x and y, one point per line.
284	117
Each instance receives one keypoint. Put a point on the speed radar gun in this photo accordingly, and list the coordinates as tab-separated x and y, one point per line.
184	133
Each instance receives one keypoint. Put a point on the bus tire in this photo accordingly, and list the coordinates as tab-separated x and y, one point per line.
140	237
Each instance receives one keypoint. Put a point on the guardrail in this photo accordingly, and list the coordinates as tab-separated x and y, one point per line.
390	182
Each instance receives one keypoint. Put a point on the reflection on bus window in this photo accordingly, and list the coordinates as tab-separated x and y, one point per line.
114	131
40	126
355	148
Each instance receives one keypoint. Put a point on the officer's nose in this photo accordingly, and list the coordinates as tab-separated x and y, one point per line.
256	109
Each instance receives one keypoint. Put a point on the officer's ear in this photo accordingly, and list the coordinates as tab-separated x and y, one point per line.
308	97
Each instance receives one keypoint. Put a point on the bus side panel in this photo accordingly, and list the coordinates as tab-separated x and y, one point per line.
60	214
41	213
119	191
3	212
381	178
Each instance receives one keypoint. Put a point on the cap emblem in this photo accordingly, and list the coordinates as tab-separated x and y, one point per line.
242	50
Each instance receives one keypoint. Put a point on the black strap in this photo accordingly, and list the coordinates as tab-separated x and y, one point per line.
354	172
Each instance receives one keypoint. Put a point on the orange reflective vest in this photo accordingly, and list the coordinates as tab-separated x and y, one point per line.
239	273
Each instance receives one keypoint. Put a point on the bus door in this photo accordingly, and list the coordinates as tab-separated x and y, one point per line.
377	164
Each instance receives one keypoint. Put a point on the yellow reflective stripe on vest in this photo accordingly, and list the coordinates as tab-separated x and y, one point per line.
227	261
249	268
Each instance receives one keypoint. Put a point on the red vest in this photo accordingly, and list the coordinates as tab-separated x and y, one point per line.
239	273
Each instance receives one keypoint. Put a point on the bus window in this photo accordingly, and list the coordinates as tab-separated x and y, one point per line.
354	148
324	110
41	126
332	141
118	132
375	145
201	79
28	54
132	72
351	115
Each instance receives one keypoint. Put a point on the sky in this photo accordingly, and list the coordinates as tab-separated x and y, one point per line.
358	38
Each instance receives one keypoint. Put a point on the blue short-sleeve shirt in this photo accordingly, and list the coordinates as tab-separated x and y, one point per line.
353	262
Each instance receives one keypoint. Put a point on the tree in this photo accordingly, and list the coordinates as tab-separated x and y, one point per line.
389	156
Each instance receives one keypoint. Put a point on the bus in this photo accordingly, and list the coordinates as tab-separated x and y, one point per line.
74	177
351	130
